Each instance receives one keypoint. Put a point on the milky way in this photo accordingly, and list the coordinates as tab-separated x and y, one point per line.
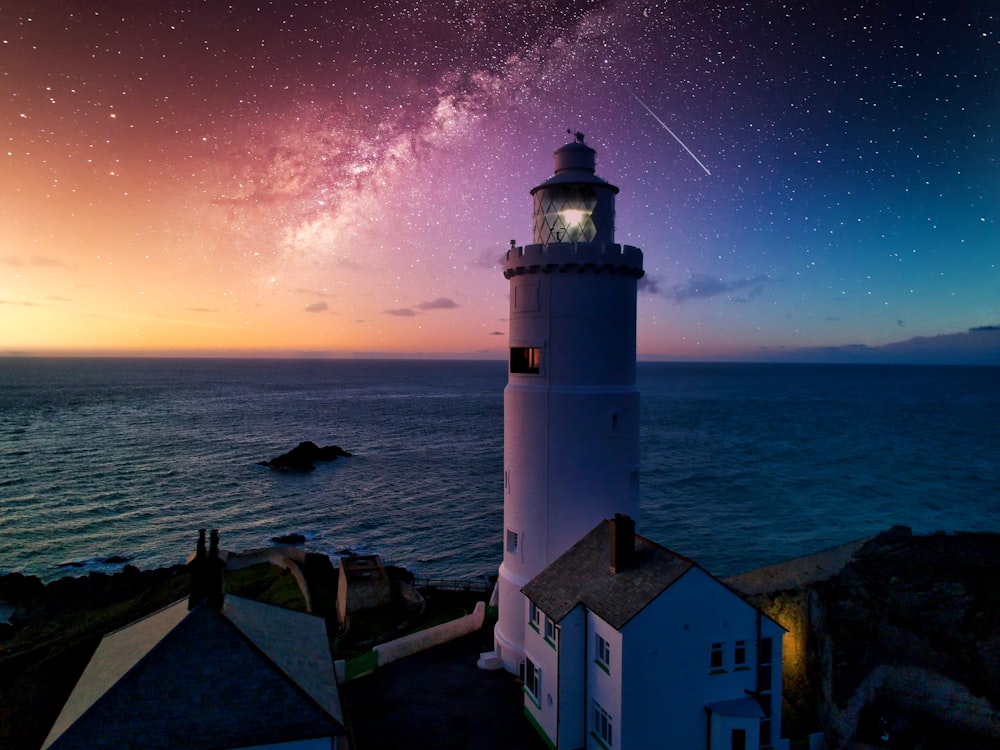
302	176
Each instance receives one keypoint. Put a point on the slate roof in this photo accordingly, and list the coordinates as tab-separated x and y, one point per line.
248	674
582	575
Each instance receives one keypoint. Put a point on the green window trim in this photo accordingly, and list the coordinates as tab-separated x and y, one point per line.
602	665
538	728
597	738
536	701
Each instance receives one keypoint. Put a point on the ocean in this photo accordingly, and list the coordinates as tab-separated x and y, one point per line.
743	465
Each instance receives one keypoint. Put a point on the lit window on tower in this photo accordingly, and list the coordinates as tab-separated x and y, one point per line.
525	360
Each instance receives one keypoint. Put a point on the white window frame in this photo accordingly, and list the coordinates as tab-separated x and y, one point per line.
717	654
534	616
602	726
740	655
602	652
533	681
551	633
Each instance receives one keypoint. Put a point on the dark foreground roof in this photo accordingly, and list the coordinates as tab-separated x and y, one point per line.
582	575
248	674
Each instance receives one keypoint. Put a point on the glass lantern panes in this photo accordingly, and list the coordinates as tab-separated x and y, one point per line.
564	213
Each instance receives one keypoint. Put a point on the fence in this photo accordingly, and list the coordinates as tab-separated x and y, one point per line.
479	586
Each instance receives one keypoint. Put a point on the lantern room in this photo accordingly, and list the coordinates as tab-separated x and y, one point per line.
574	205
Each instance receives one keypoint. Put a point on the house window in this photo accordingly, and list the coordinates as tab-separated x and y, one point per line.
740	655
534	616
533	681
551	633
715	662
766	648
765	659
602	727
603	650
526	360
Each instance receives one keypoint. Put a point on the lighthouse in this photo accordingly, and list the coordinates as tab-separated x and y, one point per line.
571	405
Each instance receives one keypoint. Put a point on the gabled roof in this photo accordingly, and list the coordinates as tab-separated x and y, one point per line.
248	674
582	575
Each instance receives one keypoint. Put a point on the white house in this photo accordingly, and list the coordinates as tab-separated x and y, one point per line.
630	645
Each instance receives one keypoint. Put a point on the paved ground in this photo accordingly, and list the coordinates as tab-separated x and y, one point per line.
440	699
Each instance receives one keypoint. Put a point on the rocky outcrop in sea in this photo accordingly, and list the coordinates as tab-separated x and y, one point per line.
304	456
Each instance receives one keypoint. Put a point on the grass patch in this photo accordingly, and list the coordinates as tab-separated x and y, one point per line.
268	584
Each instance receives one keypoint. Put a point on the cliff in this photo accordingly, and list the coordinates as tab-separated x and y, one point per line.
892	641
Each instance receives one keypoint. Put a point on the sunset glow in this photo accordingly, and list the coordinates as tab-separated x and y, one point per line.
305	178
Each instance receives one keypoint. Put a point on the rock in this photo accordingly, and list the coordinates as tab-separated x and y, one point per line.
303	456
20	590
289	539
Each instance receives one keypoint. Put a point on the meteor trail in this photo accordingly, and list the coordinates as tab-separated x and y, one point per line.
668	130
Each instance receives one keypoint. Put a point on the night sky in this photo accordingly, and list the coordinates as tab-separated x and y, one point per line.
302	177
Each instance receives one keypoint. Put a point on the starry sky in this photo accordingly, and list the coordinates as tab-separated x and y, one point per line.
329	178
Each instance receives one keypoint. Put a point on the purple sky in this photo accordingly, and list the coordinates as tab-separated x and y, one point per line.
303	177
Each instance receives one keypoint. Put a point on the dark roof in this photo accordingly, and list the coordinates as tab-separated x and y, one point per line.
248	674
582	575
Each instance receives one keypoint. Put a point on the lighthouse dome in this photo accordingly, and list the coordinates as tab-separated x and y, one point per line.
576	155
574	205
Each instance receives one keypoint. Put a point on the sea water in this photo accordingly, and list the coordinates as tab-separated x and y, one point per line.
742	464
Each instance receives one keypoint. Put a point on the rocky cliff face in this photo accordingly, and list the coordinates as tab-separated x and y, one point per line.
900	646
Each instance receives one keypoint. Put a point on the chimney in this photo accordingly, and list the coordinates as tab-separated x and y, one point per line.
215	573
197	572
622	542
208	581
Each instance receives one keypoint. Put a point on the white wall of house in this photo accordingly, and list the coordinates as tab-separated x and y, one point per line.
667	669
604	681
721	730
541	691
572	676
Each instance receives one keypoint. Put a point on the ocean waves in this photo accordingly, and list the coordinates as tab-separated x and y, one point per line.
741	465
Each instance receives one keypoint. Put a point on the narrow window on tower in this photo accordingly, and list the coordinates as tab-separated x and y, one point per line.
513	542
525	360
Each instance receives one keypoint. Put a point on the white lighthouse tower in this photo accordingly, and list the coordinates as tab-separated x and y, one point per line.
571	405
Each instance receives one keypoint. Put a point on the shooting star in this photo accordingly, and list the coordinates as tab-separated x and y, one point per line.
668	130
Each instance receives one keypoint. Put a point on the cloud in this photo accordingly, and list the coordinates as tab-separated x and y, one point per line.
317	307
401	312
497	333
900	324
441	303
19	303
648	285
39	261
702	286
203	309
310	292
